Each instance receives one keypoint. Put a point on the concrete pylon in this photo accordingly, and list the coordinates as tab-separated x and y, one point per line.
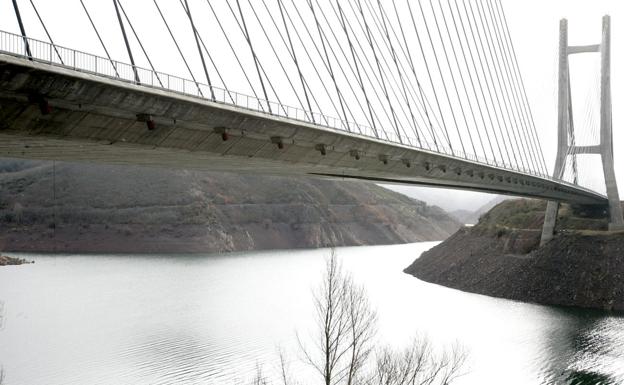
606	129
566	144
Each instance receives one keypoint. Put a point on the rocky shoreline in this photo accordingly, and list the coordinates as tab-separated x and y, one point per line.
5	260
501	257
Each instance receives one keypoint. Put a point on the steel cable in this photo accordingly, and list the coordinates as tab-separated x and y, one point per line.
99	38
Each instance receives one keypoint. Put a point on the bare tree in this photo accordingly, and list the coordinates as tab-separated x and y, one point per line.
342	350
259	378
453	362
417	365
284	369
362	321
1	376
347	325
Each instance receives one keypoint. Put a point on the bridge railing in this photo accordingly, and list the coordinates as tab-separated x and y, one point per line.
45	52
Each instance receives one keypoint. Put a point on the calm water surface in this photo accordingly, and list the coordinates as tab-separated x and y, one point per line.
92	319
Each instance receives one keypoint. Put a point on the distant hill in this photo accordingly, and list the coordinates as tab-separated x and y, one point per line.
472	217
445	198
104	208
465	216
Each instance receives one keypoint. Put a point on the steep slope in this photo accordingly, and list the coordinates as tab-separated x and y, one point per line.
103	208
500	256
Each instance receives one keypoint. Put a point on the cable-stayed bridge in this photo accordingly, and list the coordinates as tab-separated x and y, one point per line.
427	92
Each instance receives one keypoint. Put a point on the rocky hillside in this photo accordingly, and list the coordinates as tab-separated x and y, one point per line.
103	208
500	256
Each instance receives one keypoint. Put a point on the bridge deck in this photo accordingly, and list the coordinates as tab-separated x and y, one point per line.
98	119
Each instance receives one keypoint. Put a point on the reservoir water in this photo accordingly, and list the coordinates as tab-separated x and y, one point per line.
214	319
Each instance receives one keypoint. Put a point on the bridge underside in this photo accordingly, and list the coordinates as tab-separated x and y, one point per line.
97	119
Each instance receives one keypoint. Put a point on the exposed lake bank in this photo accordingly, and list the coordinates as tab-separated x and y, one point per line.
582	266
5	260
89	208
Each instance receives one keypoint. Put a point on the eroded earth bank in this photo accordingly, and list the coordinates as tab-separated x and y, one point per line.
500	256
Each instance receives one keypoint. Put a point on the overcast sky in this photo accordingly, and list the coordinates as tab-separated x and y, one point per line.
534	27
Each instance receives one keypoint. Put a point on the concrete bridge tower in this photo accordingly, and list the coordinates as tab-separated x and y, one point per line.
566	145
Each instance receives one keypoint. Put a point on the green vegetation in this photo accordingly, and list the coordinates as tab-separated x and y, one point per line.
528	214
514	214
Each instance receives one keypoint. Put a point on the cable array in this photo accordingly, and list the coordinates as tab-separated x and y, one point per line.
438	75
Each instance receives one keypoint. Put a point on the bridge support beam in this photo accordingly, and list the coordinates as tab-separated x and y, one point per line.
565	127
550	220
606	129
563	115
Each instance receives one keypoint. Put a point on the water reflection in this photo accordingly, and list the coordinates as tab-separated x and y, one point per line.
588	378
2	316
583	349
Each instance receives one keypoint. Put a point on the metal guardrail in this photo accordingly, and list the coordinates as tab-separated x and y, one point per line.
56	55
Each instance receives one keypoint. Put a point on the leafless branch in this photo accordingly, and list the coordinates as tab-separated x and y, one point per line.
347	325
342	352
259	378
284	369
418	365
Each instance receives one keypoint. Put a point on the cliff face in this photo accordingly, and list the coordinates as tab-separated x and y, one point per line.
102	208
582	266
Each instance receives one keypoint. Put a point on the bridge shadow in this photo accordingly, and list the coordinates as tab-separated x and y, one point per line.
585	350
589	378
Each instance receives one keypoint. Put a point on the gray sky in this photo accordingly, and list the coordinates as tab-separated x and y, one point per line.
534	27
